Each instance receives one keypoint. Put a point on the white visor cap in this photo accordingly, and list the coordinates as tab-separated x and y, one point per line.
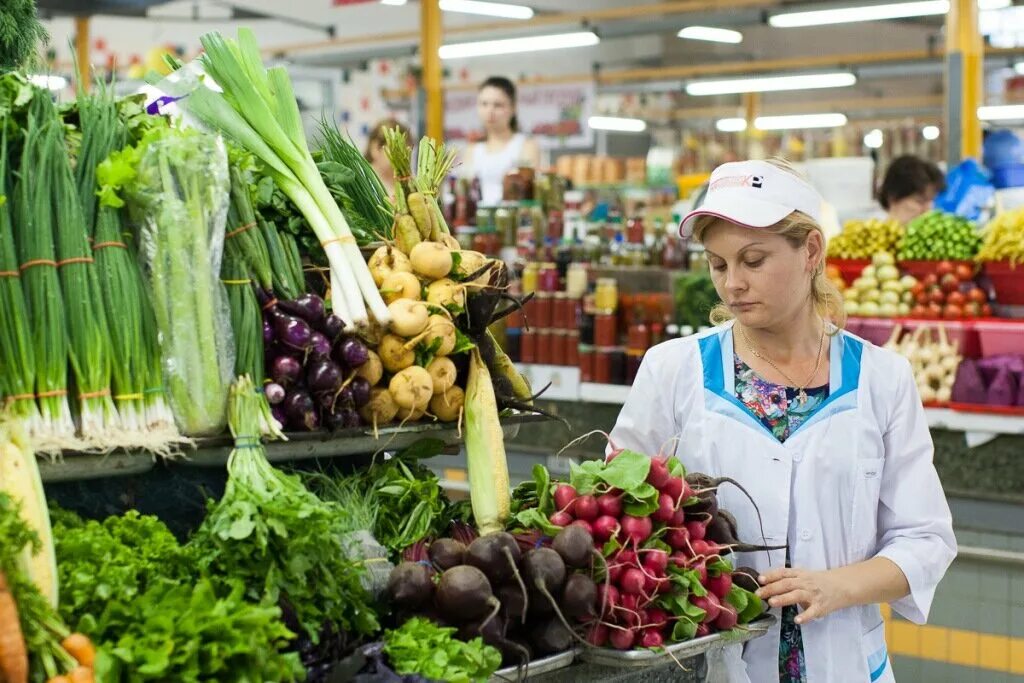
754	194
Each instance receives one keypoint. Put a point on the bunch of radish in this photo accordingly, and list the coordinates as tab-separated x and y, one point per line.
525	597
663	541
317	374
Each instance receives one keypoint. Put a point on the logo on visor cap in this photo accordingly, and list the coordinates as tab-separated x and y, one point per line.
756	181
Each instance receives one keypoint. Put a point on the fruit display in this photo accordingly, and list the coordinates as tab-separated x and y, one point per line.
951	293
880	291
1003	238
933	358
861	239
938	236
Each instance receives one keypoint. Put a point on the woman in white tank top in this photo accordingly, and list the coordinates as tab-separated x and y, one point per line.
504	148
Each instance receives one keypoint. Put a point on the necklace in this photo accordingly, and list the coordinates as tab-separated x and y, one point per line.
801	395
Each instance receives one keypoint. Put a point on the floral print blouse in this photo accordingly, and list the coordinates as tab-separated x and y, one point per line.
781	412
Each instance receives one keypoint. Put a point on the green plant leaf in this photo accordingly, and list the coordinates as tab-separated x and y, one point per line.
627	471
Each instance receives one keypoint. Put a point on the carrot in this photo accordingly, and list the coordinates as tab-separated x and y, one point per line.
82	674
81	648
13	656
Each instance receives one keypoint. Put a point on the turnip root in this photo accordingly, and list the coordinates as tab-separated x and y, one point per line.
380	409
393	354
431	260
450	242
443	373
409	414
447	406
447	294
401	285
438	327
387	260
408	317
372	370
412	388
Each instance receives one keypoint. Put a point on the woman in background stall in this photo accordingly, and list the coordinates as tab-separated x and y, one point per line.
375	152
504	147
910	187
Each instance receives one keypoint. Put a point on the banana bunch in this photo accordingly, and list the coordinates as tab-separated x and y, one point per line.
1003	238
862	239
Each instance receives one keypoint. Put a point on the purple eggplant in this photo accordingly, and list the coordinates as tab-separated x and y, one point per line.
360	391
342	418
319	346
352	352
285	370
300	410
292	331
332	326
274	393
324	376
309	307
268	331
326	400
278	413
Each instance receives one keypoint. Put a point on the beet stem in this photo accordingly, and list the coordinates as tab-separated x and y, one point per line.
519	580
558	613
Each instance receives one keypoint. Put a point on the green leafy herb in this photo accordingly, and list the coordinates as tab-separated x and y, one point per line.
748	605
20	34
424	648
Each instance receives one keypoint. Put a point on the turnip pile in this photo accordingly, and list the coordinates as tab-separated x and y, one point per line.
661	573
526	598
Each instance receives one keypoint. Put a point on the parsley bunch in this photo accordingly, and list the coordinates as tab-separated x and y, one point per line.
422	647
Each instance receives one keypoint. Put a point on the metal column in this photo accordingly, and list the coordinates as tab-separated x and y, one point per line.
965	51
82	52
430	44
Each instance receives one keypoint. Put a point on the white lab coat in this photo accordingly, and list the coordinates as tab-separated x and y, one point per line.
855	481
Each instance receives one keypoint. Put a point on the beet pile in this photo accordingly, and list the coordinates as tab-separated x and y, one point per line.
662	575
526	595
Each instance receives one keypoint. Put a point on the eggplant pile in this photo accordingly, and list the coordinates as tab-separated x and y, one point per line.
529	596
318	376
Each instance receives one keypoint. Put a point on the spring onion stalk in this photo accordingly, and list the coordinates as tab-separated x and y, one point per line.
433	163
285	260
258	111
17	381
485	450
242	227
34	230
86	318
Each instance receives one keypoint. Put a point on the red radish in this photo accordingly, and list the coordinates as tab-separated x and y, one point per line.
656	617
604	527
702	572
696	530
583	524
655	561
597	634
629	603
636	529
702	630
679	559
560	518
658	475
727	618
610	503
627	557
632	581
674	487
678	539
710	604
666	509
608	596
700	548
655	584
615	571
630	615
622	639
678	517
720	585
651	638
565	496
587	508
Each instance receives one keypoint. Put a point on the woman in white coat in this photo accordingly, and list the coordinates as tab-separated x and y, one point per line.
825	430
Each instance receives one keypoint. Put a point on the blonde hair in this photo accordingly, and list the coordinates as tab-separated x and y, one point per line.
796	228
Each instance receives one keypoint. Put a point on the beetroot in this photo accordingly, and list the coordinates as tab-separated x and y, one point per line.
574	545
610	504
587	508
579	599
746	578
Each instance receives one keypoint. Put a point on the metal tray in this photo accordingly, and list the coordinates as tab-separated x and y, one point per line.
535	668
679	651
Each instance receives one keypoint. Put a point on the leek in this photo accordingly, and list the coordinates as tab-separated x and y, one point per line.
258	111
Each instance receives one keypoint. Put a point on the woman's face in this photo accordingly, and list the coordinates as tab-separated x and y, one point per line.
494	108
760	276
379	160
907	209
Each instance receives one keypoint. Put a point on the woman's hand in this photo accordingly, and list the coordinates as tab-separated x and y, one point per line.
819	593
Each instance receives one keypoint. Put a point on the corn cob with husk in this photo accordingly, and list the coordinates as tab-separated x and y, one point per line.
485	450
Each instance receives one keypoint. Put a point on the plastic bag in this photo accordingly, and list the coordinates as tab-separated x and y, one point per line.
180	200
968	192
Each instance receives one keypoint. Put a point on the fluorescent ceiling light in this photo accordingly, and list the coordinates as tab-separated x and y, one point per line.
54	83
488	9
839	79
618	124
512	45
1003	112
874	139
897	10
396	3
800	121
930	132
714	35
736	125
